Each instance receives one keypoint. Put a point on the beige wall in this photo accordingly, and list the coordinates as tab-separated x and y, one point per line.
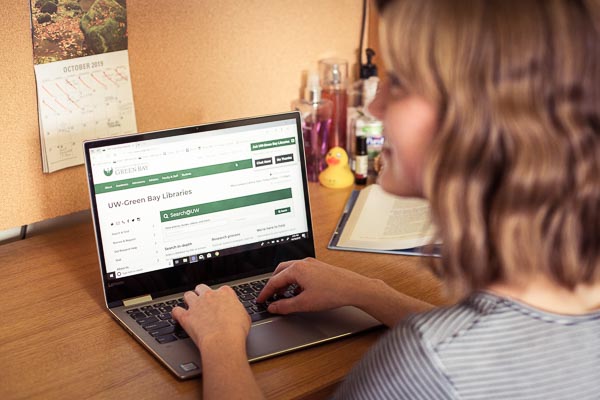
191	62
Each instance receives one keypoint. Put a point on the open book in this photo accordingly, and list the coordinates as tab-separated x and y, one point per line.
375	221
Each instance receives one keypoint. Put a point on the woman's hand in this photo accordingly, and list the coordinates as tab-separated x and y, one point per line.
218	323
320	286
213	315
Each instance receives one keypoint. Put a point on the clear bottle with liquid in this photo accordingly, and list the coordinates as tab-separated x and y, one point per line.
316	113
356	101
365	124
334	76
355	90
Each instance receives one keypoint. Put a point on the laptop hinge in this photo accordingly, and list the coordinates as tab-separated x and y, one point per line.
137	300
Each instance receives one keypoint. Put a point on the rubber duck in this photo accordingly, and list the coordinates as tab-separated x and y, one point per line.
337	175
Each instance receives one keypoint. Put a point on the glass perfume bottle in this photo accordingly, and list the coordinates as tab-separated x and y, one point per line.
334	76
316	113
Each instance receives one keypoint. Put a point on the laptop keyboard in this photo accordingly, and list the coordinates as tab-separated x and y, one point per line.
156	318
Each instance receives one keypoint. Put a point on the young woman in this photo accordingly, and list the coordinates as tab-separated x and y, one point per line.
492	112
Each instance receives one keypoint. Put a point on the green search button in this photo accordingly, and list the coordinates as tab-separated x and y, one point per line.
283	210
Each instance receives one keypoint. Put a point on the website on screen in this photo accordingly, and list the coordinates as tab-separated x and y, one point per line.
183	199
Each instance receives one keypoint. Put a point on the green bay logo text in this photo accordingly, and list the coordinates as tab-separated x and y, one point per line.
131	170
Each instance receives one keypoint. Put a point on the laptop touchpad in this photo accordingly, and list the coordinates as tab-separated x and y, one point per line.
280	334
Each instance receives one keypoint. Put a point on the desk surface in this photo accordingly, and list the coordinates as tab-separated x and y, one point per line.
57	341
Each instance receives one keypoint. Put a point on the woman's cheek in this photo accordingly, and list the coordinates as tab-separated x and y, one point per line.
386	178
384	181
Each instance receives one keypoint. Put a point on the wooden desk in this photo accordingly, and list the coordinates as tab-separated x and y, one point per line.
58	342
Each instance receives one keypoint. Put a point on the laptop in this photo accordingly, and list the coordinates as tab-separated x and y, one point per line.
220	203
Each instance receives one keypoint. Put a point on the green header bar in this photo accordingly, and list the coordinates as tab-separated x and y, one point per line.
223	205
269	144
172	176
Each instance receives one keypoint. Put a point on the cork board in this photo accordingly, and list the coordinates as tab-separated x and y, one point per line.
191	62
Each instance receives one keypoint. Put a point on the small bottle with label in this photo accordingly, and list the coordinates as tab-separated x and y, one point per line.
361	161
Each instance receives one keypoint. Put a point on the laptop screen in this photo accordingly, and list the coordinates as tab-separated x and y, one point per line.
200	204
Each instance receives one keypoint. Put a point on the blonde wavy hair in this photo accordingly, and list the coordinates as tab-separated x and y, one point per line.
513	175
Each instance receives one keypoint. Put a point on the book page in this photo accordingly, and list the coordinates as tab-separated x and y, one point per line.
386	222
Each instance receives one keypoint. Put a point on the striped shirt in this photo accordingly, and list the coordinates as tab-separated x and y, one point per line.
486	347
